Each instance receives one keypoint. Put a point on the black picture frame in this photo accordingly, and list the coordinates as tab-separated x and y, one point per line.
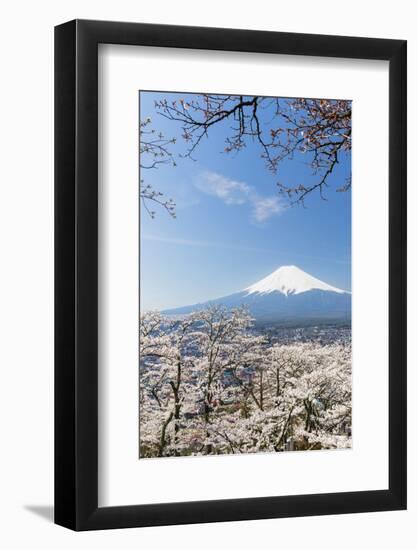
76	274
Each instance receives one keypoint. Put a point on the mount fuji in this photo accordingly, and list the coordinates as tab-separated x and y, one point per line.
286	296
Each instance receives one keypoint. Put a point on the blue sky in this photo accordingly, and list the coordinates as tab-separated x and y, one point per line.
232	226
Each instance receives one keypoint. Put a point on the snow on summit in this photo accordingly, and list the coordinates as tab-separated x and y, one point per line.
289	279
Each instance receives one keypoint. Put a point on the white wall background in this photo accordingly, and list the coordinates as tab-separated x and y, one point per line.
26	273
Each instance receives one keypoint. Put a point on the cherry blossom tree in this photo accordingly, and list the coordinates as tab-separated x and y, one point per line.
210	384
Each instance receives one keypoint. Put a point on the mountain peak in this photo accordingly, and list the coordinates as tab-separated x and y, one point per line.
290	279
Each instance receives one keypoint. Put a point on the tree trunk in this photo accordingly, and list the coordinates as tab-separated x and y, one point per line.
162	441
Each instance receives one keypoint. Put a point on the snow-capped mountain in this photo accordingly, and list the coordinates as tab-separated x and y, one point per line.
286	295
289	279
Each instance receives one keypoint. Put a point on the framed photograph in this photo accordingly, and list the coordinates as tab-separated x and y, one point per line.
230	247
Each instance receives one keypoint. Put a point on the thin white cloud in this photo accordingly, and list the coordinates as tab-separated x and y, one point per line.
228	190
234	192
265	208
199	243
231	246
175	240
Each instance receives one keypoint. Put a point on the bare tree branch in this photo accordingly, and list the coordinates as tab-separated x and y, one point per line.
318	130
154	151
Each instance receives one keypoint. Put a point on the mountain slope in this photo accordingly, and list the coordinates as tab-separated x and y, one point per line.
286	295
